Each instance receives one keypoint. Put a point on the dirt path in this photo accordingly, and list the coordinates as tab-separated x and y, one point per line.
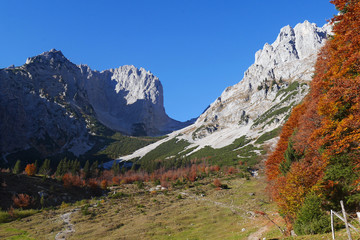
257	235
68	228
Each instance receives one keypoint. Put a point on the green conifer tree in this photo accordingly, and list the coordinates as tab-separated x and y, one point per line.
36	166
115	168
93	169
17	168
60	169
75	167
45	167
86	169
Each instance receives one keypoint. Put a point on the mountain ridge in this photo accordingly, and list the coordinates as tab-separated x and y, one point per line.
54	105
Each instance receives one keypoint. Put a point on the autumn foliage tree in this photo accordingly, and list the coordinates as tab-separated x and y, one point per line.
30	169
319	146
70	180
21	200
104	184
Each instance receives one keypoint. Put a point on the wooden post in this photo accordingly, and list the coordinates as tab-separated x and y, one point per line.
358	215
332	224
345	220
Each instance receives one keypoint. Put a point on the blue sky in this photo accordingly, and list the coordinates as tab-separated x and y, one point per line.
196	47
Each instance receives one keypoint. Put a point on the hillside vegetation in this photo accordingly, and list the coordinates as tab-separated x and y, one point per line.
108	146
316	162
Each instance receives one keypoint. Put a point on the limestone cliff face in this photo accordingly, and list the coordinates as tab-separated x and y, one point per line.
52	105
263	99
261	102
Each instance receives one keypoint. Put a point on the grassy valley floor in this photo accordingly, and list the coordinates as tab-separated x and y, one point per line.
192	211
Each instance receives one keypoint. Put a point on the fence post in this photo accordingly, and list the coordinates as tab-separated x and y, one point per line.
332	224
345	220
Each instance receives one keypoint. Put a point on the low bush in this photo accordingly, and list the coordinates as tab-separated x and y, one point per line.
85	209
22	200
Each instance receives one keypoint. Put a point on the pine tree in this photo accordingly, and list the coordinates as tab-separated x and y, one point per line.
17	168
75	167
36	166
290	156
94	168
66	166
101	168
86	169
115	168
60	169
45	167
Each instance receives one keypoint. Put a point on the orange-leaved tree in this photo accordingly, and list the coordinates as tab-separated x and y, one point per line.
30	169
319	146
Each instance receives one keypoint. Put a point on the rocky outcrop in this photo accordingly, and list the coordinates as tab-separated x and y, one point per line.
52	105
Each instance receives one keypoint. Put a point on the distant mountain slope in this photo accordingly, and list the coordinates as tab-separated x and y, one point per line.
53	105
261	102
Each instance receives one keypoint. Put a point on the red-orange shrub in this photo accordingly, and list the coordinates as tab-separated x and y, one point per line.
70	180
92	183
30	169
22	200
231	170
216	168
116	180
192	175
104	184
217	182
165	183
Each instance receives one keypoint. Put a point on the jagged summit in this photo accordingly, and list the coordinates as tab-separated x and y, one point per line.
289	59
56	101
50	56
292	44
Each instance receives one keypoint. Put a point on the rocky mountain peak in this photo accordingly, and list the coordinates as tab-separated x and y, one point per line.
52	56
263	99
292	44
62	103
138	83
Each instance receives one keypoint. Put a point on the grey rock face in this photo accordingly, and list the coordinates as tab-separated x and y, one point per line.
52	104
290	58
263	99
